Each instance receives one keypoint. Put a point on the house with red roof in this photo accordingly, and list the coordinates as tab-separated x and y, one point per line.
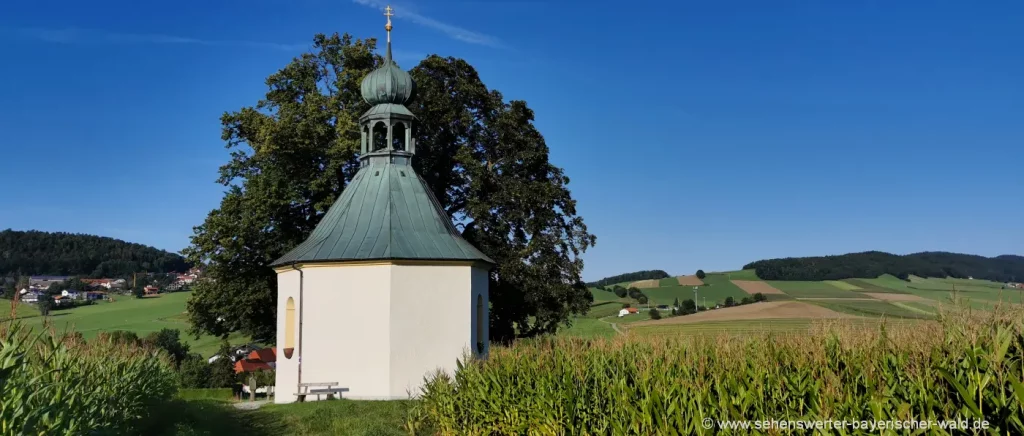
257	360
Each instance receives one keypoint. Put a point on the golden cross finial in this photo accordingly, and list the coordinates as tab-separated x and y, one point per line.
388	12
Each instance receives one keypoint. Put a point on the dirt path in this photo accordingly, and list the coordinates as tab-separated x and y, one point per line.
836	299
250	405
614	326
763	310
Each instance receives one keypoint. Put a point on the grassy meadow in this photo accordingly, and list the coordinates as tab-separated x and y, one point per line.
24	310
142	316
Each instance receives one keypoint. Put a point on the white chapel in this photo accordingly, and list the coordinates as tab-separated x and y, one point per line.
385	291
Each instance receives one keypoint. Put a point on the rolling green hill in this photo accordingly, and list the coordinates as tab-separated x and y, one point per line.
1005	268
44	253
141	316
877	298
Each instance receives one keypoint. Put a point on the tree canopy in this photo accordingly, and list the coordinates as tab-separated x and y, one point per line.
630	277
44	253
296	149
872	264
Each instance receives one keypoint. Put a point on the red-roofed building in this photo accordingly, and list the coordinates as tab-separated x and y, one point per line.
257	360
106	283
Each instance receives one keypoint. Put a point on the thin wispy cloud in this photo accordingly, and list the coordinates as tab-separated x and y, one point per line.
74	35
454	32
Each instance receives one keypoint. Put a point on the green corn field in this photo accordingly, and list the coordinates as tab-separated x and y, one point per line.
966	366
56	384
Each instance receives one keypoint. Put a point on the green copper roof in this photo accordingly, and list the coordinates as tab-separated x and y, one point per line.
386	212
387	84
388	108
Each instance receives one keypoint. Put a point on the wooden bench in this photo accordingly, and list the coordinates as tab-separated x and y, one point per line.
327	388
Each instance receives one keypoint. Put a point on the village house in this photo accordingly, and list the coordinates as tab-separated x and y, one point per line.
627	311
28	296
151	290
258	360
43	282
96	283
71	294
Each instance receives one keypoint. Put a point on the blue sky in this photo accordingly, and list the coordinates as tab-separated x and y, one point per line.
696	134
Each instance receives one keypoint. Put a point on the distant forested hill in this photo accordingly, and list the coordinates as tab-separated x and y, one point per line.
630	277
43	253
1005	268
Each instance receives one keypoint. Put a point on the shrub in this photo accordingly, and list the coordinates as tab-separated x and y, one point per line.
194	372
700	274
58	384
45	305
222	370
729	302
169	340
689	306
655	314
620	292
642	299
120	337
966	368
759	297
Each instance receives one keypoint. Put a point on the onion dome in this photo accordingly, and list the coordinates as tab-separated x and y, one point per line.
387	84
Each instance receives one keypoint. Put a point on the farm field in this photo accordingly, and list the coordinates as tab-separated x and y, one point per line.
869	300
746	274
668	281
872	309
141	316
735	326
762	310
846	286
812	290
760	326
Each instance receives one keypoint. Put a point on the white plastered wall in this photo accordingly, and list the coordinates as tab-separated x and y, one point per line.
287	371
380	329
433	311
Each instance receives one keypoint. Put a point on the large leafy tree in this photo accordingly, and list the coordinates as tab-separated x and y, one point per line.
297	148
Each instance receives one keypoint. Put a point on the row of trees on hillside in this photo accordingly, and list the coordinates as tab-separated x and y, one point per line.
44	253
621	292
688	306
630	277
870	264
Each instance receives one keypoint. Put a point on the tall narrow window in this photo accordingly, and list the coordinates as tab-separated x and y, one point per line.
380	136
398	136
289	328
480	320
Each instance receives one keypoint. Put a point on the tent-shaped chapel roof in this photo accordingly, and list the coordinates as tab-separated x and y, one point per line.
387	212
